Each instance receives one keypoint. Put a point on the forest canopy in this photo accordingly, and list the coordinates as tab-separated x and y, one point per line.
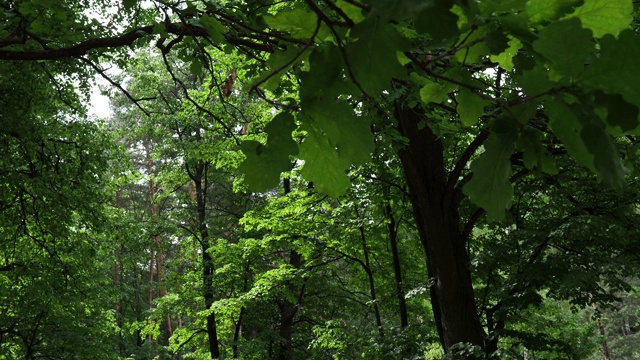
320	179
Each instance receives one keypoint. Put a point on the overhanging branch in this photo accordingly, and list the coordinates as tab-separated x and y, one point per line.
125	39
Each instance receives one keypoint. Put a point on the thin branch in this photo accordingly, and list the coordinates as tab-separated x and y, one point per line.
116	84
294	58
454	176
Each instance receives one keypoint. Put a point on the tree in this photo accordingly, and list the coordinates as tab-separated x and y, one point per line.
55	295
500	85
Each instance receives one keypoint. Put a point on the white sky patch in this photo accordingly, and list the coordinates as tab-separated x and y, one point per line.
99	104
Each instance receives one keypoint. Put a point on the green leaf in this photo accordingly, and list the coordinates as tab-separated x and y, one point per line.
600	144
214	28
436	92
505	58
195	67
489	8
395	10
566	44
475	52
621	117
535	81
615	70
264	163
320	159
372	58
490	187
353	12
299	23
325	80
336	139
605	16
549	10
535	155
439	22
496	42
470	107
586	140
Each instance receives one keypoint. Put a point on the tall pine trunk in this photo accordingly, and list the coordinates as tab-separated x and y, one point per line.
438	223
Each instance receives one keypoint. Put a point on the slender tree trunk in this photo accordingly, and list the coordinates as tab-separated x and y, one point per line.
438	223
397	271
606	355
237	332
199	178
154	211
372	284
288	309
116	269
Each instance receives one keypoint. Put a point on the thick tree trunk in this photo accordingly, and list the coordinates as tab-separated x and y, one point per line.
438	222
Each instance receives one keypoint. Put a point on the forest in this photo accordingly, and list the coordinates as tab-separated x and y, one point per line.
320	179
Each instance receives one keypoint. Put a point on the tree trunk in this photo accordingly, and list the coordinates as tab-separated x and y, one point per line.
372	284
288	309
200	184
397	270
152	202
606	355
438	223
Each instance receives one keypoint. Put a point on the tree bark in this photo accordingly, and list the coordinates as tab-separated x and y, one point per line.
153	209
372	284
200	184
606	355
288	309
397	270
438	223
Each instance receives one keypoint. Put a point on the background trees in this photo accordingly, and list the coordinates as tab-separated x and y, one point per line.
302	175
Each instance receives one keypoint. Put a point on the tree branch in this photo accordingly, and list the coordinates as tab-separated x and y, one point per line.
125	39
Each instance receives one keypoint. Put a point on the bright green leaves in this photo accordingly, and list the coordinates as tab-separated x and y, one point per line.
615	71
372	58
566	44
490	187
336	139
586	140
436	92
351	11
264	163
605	16
299	23
505	58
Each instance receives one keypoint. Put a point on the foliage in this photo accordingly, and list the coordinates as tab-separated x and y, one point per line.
311	179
